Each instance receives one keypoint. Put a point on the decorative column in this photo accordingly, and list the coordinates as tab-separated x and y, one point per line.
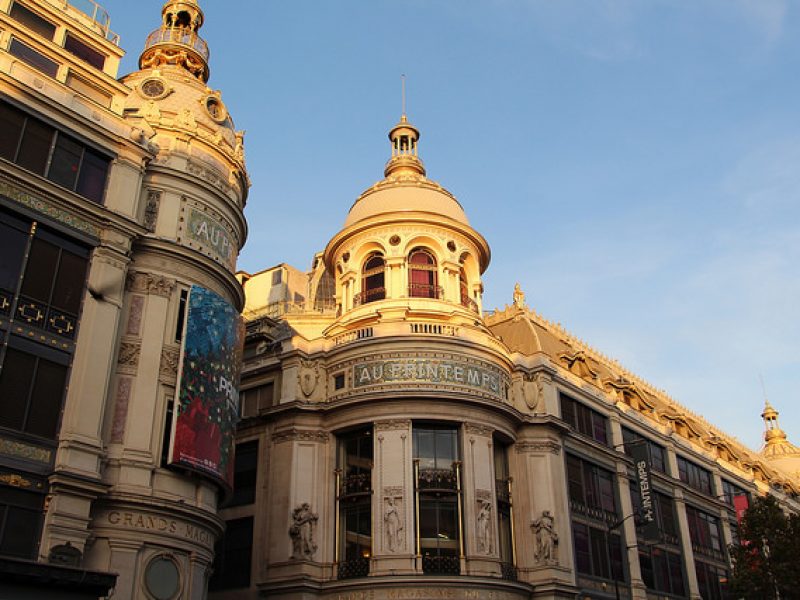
393	277
683	526
393	543
480	519
450	283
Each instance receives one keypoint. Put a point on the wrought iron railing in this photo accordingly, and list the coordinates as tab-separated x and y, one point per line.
598	514
437	479
425	290
508	571
97	14
178	35
356	567
356	484
370	295
441	565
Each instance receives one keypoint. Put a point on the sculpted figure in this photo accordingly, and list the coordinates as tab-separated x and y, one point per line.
394	527
302	532
484	527
546	538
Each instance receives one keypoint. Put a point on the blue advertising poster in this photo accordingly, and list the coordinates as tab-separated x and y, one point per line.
207	401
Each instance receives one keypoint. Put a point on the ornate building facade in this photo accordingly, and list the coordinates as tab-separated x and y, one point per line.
120	201
397	441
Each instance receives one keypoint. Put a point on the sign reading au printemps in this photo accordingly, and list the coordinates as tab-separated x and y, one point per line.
212	235
428	370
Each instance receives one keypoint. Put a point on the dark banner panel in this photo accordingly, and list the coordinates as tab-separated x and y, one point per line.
643	466
208	382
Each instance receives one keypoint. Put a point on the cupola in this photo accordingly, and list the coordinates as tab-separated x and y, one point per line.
177	42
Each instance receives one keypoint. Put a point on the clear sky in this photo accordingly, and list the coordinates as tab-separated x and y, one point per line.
632	163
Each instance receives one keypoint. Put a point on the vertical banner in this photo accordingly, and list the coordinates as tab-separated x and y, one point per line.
640	452
740	505
208	381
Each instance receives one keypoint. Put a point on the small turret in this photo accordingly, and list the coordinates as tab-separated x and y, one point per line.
177	42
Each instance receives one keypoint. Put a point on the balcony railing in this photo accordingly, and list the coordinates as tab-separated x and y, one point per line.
356	484
437	479
96	14
441	565
508	571
180	36
371	295
357	567
425	290
593	513
469	303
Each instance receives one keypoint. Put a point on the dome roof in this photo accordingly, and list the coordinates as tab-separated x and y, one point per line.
405	193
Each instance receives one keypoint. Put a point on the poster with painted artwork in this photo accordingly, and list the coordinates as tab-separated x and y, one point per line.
207	401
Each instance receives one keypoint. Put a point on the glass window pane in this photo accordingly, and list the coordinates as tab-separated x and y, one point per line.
84	51
45	406
12	249
11	124
65	162
580	537
35	59
35	147
69	283
424	448
92	178
15	384
40	271
32	21
21	532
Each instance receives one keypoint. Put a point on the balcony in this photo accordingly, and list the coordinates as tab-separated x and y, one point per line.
425	290
437	480
177	35
370	295
97	16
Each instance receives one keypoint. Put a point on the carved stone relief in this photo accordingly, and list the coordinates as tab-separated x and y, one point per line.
393	424
148	283
538	446
394	533
546	549
301	532
300	435
533	391
483	526
123	397
151	209
128	357
308	375
168	368
477	429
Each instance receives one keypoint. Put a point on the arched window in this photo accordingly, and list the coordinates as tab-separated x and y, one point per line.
422	275
372	280
464	290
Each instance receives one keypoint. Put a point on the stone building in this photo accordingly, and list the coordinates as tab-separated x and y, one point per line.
120	205
397	441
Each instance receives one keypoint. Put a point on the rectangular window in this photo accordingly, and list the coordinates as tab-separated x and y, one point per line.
695	476
503	499
657	453
32	21
338	381
38	147
584	420
233	556
662	571
32	57
731	490
245	471
591	489
354	501
596	553
277	276
705	533
712	581
21	519
84	51
180	321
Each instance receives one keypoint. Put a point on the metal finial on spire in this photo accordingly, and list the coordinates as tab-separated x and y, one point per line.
403	93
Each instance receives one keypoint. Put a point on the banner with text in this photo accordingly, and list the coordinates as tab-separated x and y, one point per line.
208	380
643	466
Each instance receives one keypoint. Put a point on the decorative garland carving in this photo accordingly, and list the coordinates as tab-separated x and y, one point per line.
148	283
128	357
393	424
169	362
538	446
478	429
300	435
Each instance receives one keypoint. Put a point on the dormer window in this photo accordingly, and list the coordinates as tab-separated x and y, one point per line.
372	280
422	275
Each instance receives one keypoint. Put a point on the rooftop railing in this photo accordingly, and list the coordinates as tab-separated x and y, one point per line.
101	22
177	35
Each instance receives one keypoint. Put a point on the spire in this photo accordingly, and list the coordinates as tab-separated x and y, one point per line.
773	434
177	42
404	137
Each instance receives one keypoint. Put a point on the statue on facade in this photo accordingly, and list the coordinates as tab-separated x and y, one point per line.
394	527
519	296
484	527
302	532
546	550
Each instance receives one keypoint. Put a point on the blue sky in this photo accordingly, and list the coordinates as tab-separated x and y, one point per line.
633	164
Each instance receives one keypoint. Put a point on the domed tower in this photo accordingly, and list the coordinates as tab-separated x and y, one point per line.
407	247
778	450
172	396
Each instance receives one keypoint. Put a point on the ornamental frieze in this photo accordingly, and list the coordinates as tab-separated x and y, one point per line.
538	446
300	435
477	429
393	424
49	210
149	283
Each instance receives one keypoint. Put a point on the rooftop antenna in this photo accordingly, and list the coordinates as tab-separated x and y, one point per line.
763	388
